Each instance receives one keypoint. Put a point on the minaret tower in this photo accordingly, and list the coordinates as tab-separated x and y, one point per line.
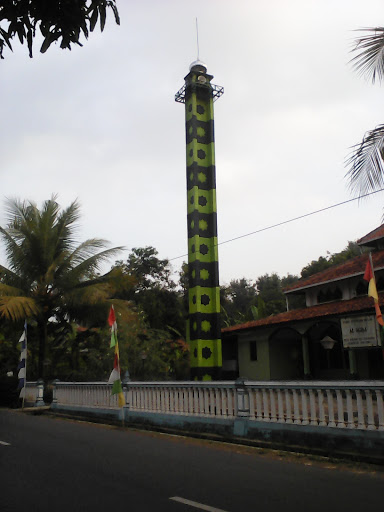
198	94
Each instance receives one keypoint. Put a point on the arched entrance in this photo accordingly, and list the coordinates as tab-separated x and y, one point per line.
328	360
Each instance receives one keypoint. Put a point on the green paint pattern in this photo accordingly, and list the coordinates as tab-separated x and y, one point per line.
204	291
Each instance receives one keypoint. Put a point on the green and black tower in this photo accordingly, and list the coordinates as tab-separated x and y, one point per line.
198	95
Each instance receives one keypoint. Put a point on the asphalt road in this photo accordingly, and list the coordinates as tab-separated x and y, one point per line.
54	465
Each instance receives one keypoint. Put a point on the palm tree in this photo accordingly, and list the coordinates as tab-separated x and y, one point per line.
49	278
366	165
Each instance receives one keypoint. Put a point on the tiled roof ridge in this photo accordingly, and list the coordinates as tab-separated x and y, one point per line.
349	268
303	280
375	234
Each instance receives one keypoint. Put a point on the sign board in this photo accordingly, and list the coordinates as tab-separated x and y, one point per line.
360	332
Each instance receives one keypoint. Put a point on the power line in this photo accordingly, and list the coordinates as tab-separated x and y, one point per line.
289	220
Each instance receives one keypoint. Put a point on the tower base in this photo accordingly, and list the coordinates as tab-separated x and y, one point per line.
206	374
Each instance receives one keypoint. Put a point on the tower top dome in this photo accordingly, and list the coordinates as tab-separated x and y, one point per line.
198	65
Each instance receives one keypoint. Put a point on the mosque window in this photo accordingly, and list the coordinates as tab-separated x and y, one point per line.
362	288
253	350
329	294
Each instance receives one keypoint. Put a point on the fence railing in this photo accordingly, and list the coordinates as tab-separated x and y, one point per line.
164	397
357	405
94	394
329	404
187	398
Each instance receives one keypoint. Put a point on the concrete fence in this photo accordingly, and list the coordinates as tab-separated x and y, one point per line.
345	405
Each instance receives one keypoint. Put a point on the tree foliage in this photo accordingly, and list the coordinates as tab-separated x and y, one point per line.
323	262
50	280
270	290
153	290
63	21
365	163
237	300
154	355
159	350
148	270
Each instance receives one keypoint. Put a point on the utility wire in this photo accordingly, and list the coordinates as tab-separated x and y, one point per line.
289	220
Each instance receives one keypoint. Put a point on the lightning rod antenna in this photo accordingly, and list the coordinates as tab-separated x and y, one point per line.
197	40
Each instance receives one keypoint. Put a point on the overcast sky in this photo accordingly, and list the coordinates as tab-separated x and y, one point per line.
100	124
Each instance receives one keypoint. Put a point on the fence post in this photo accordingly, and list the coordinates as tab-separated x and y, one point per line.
126	381
242	399
40	393
54	391
240	426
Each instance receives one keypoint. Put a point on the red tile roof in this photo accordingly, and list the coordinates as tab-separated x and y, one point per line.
376	234
350	268
357	305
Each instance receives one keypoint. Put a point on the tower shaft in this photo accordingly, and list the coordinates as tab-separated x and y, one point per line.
203	265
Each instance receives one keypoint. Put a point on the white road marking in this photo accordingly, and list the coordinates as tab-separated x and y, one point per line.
4	443
201	506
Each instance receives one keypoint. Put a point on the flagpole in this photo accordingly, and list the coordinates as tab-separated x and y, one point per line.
371	262
25	385
22	366
115	377
381	328
25	378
